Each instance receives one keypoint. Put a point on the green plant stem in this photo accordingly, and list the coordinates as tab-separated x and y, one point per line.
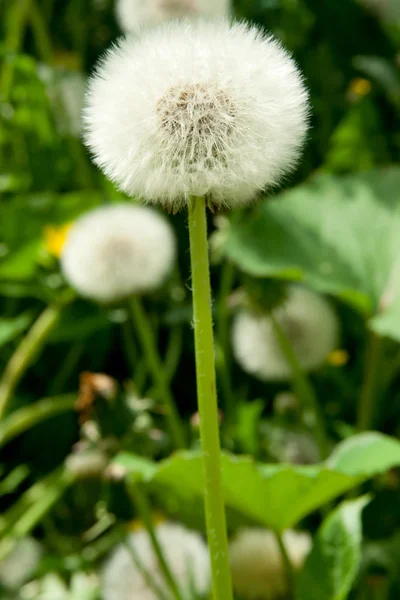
207	401
367	402
144	510
222	327
27	350
146	575
42	38
156	367
287	564
304	390
23	419
52	489
70	362
17	19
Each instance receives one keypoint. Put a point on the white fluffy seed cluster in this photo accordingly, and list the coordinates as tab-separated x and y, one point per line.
185	553
309	323
133	15
258	572
21	563
118	250
197	108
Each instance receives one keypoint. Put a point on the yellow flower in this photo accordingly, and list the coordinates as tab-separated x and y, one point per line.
137	524
55	238
360	86
338	358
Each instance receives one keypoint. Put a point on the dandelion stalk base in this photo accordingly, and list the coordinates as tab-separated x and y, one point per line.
207	401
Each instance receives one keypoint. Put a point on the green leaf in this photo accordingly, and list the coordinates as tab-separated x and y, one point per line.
332	565
22	264
10	328
245	431
276	496
338	234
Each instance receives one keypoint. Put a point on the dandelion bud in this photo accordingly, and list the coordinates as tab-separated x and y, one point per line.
197	108
132	15
116	251
308	322
258	571
87	464
185	553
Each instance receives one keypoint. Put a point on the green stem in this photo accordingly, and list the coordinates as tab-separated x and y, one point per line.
70	362
17	18
368	397
23	356
227	278
146	575
143	508
58	483
207	401
25	418
304	390
156	367
42	38
287	564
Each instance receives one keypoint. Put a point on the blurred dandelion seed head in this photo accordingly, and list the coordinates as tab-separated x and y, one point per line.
119	250
257	568
185	553
197	108
21	563
307	320
132	15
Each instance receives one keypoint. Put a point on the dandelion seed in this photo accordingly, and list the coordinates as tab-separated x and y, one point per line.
309	324
132	15
116	251
193	109
258	571
184	551
21	563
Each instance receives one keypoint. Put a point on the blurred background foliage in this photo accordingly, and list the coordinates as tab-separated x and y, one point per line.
349	52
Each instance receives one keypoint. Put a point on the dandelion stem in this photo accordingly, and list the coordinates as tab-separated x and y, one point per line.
367	402
27	417
23	356
147	576
287	563
304	390
207	401
156	367
143	508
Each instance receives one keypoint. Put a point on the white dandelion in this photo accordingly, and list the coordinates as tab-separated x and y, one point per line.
185	553
258	572
118	250
309	323
132	15
21	563
197	108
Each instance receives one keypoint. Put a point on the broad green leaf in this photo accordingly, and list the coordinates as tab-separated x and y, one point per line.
332	565
22	264
10	328
245	431
276	496
338	234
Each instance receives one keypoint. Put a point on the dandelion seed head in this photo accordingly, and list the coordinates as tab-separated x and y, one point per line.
185	553
197	108
308	322
21	563
132	15
118	250
258	572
